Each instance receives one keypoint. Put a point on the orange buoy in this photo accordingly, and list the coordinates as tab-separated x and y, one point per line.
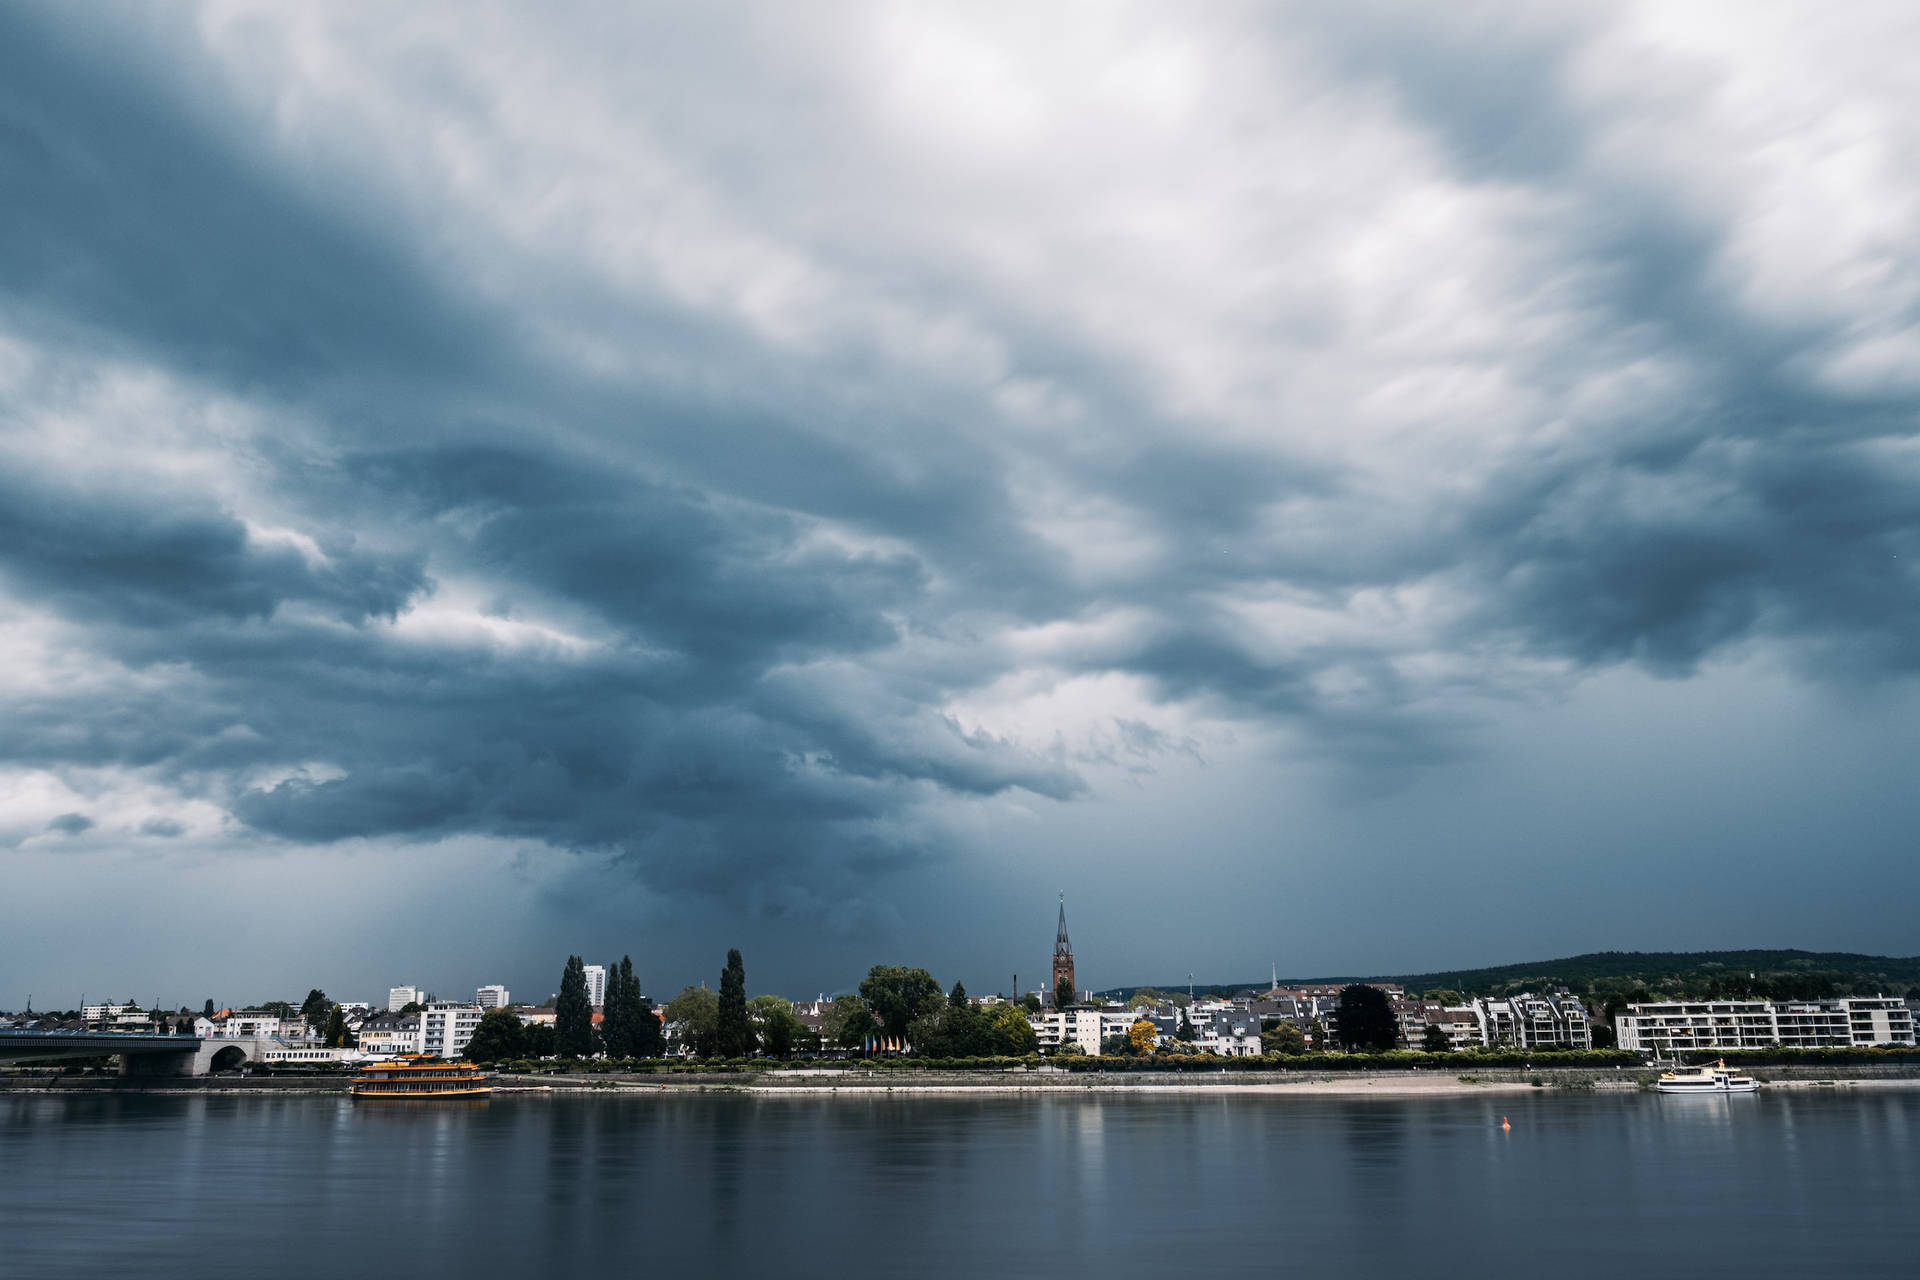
1504	1126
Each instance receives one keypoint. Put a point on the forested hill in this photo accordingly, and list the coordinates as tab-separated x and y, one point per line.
1779	974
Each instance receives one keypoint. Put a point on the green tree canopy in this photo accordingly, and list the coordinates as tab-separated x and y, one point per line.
338	1037
848	1022
539	1040
897	995
649	1039
694	1016
573	1012
733	1031
315	1007
498	1038
1436	1041
1013	1034
1283	1037
1364	1020
617	1012
207	1012
774	1025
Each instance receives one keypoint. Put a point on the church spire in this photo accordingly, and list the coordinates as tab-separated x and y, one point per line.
1063	985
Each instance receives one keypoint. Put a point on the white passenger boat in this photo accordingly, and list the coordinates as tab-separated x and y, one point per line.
1715	1080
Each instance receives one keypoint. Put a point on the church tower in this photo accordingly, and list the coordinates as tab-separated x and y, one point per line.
1063	962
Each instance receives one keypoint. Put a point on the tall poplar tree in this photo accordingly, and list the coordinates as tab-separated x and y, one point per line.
616	1031
734	1034
572	1013
649	1041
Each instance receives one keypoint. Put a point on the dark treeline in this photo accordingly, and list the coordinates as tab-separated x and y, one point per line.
1651	975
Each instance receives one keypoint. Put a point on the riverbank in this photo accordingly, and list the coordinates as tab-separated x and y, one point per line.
1382	1084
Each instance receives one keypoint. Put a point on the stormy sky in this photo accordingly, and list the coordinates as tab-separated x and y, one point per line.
1350	488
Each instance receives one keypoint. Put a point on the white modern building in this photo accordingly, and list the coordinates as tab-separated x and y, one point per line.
491	997
1083	1028
446	1027
399	998
1680	1025
597	985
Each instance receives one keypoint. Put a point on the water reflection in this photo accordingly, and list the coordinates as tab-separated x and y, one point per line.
1057	1185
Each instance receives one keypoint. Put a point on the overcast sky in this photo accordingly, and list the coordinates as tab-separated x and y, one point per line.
1350	488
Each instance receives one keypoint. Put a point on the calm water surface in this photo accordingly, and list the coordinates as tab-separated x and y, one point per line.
1775	1185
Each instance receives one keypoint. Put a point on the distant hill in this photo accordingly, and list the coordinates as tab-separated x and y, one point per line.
1780	973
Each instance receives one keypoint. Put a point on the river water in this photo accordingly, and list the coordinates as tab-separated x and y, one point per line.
1780	1184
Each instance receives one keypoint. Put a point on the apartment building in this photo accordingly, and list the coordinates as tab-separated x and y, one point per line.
492	996
446	1027
1672	1026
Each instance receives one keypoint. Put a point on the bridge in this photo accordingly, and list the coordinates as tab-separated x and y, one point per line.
140	1054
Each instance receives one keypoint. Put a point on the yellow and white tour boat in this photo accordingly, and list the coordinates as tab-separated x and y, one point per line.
419	1076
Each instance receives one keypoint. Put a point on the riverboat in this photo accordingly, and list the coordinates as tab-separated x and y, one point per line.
419	1076
1716	1079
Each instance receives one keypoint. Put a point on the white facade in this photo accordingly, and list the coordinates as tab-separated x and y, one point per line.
445	1028
399	998
1681	1025
241	1024
597	985
388	1036
1081	1028
491	997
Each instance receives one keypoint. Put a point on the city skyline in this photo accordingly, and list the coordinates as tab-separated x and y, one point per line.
1372	492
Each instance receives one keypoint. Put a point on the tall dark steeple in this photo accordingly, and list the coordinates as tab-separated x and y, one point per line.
1062	962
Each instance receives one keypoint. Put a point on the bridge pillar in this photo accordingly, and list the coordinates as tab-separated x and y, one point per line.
158	1064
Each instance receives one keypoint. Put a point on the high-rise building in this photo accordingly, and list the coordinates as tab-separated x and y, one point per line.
399	998
446	1028
597	985
491	997
1063	988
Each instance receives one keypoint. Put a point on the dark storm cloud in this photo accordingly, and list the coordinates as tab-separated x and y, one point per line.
71	824
731	604
134	559
124	220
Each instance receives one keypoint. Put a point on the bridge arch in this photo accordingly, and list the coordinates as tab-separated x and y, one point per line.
227	1057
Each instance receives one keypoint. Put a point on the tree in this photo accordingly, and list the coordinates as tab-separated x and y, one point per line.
616	1023
1144	998
278	1008
337	1033
208	1011
957	998
775	1025
897	995
184	1027
1436	1041
1283	1037
315	1007
1364	1021
694	1017
1013	1035
1142	1036
1031	1002
539	1040
733	1031
573	1013
848	1022
1184	1032
649	1040
498	1038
